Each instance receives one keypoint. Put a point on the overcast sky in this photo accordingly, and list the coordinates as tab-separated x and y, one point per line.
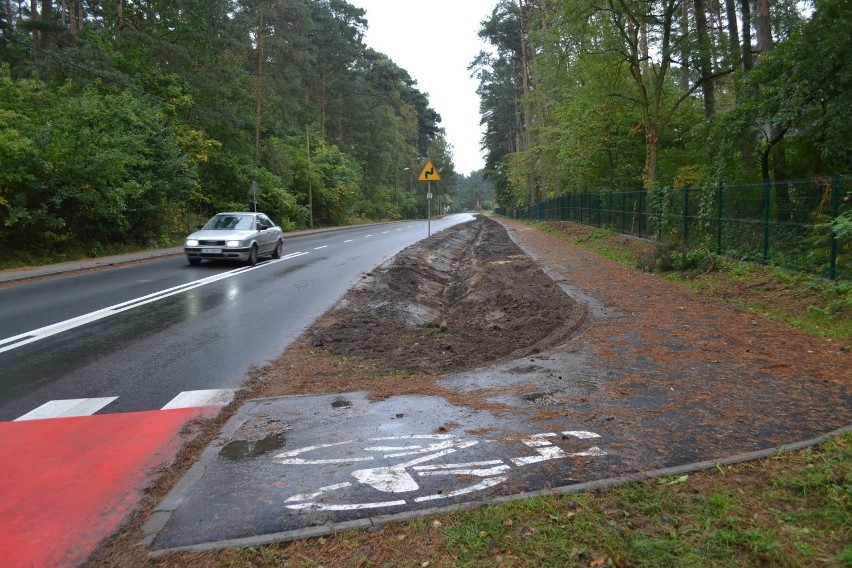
435	41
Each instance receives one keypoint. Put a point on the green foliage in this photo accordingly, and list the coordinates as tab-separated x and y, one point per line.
87	164
842	227
590	110
131	130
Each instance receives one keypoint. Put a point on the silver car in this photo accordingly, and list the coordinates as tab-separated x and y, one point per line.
235	236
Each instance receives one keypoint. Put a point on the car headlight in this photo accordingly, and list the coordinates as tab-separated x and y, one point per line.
233	243
191	243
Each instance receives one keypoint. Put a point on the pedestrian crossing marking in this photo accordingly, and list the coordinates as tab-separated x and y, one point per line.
67	408
192	399
88	406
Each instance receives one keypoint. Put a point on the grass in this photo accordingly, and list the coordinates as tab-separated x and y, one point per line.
812	304
25	259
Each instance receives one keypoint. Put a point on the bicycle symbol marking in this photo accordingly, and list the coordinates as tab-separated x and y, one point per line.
421	448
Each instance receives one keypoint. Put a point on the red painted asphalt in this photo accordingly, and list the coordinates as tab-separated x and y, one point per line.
66	483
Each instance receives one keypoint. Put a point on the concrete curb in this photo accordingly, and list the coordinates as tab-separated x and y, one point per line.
377	521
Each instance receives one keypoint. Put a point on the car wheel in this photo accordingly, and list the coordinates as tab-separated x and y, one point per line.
193	260
278	249
252	258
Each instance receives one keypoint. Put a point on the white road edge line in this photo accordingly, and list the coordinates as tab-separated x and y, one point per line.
31	336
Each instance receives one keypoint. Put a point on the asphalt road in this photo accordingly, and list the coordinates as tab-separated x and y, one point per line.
144	333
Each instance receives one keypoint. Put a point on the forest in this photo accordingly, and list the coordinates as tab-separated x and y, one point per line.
130	122
593	95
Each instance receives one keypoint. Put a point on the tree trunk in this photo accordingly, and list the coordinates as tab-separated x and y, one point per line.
748	59
764	27
10	18
652	150
733	33
47	19
684	52
707	83
324	98
36	35
119	14
525	82
260	28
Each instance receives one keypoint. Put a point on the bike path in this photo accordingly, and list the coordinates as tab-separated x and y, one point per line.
304	466
286	464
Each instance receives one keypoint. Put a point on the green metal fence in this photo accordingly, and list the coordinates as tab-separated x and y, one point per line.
785	223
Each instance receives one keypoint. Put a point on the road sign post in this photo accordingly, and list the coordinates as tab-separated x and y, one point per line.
428	174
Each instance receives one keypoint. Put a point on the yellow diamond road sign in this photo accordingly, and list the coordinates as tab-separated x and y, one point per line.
429	173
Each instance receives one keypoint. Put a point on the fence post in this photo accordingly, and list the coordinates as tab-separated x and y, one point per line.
767	187
685	215
835	212
720	196
591	202
639	215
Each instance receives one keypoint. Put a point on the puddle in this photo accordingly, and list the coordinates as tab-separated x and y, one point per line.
537	396
240	449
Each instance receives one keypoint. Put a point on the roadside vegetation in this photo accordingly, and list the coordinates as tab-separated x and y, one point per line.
815	305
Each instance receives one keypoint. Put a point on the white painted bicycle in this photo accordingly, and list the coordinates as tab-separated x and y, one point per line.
421	449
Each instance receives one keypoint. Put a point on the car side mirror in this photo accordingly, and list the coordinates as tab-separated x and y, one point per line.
200	227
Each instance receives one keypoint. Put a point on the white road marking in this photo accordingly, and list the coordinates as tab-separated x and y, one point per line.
322	247
354	507
43	332
546	450
67	408
348	240
196	398
397	479
318	493
581	434
288	458
593	451
478	469
368	236
484	484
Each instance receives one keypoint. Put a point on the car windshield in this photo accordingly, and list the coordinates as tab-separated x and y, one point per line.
229	223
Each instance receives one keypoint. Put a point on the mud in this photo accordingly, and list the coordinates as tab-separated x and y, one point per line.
467	297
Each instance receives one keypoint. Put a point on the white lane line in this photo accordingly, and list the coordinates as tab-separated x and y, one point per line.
29	337
322	247
368	236
385	232
348	240
197	398
67	408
